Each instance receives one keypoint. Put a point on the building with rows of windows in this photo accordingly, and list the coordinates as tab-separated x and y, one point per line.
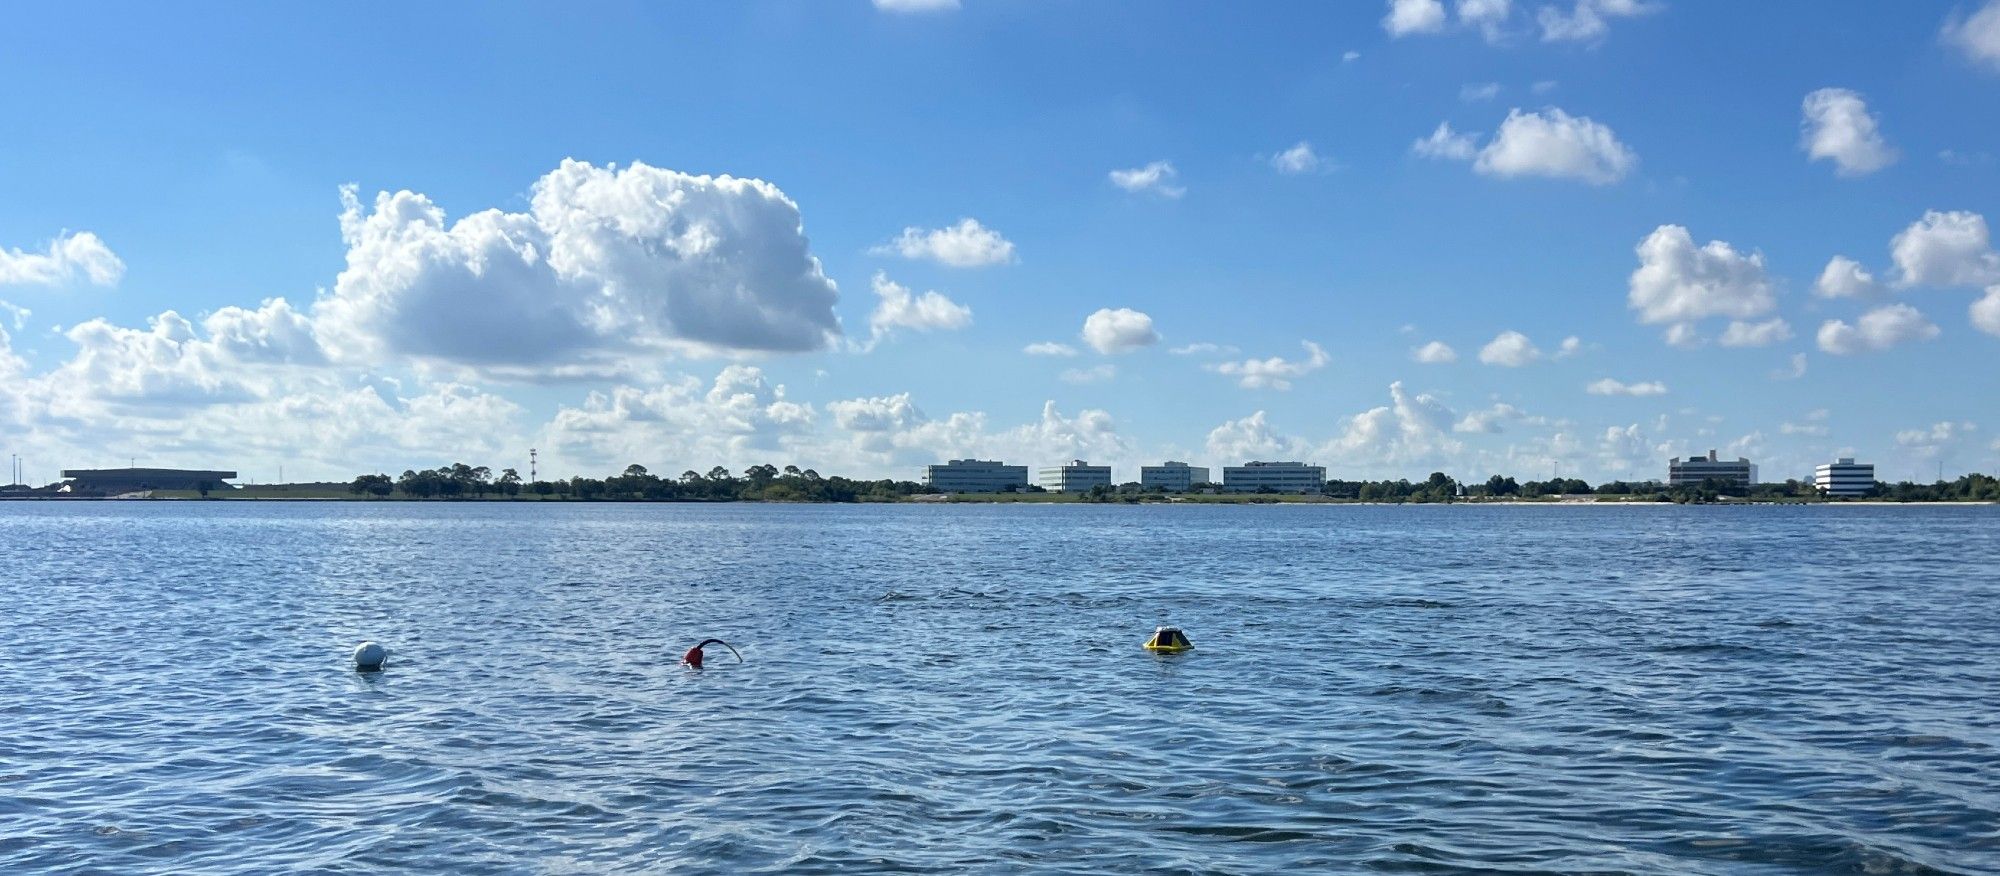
1174	477
1692	471
1276	477
975	476
1076	477
1845	477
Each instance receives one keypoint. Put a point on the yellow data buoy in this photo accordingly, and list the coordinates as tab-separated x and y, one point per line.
1169	639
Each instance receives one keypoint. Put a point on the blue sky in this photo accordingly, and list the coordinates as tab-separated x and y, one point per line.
1261	300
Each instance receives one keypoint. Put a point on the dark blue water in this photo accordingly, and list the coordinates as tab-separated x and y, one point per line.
953	689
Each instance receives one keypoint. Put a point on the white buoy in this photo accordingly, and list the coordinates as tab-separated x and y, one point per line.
368	656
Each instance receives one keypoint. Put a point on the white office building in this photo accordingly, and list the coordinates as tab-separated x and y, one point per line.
1077	477
975	476
1845	478
1174	477
1692	471
1280	477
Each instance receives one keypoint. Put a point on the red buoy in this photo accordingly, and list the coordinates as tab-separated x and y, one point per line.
693	656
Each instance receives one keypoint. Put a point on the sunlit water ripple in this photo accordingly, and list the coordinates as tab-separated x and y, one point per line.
953	689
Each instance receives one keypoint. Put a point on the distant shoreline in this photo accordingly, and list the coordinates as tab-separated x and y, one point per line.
1264	499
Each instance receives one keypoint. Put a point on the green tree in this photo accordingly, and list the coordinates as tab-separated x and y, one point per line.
418	485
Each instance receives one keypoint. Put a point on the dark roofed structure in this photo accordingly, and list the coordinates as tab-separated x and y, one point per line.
129	480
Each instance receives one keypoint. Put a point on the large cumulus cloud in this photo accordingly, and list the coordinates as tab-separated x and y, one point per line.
606	262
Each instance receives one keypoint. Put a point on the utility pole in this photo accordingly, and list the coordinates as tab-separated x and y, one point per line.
532	477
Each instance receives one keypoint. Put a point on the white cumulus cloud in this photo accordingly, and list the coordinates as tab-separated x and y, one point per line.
965	245
1411	429
173	363
1158	177
1977	35
1986	312
1557	145
875	413
1878	329
724	421
1049	348
1510	349
607	262
1299	159
66	259
1945	249
1846	278
1119	331
898	307
1252	438
1678	282
1413	16
1937	437
1609	386
1837	126
1434	353
1756	334
1586	20
1489	16
1446	144
1489	421
1275	372
10	365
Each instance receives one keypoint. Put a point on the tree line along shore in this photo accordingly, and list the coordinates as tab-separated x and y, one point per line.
769	483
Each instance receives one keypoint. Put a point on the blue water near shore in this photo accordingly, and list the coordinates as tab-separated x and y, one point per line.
961	689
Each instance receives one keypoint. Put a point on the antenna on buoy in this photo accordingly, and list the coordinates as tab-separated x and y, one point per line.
693	657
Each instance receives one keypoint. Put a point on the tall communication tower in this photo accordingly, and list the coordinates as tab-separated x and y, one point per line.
531	466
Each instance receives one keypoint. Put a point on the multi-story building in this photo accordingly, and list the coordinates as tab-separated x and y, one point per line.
1692	471
1076	477
1280	477
975	476
1174	477
1845	478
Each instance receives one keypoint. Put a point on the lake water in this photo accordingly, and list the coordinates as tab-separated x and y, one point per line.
954	689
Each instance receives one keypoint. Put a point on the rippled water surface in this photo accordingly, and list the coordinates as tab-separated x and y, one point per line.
952	689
